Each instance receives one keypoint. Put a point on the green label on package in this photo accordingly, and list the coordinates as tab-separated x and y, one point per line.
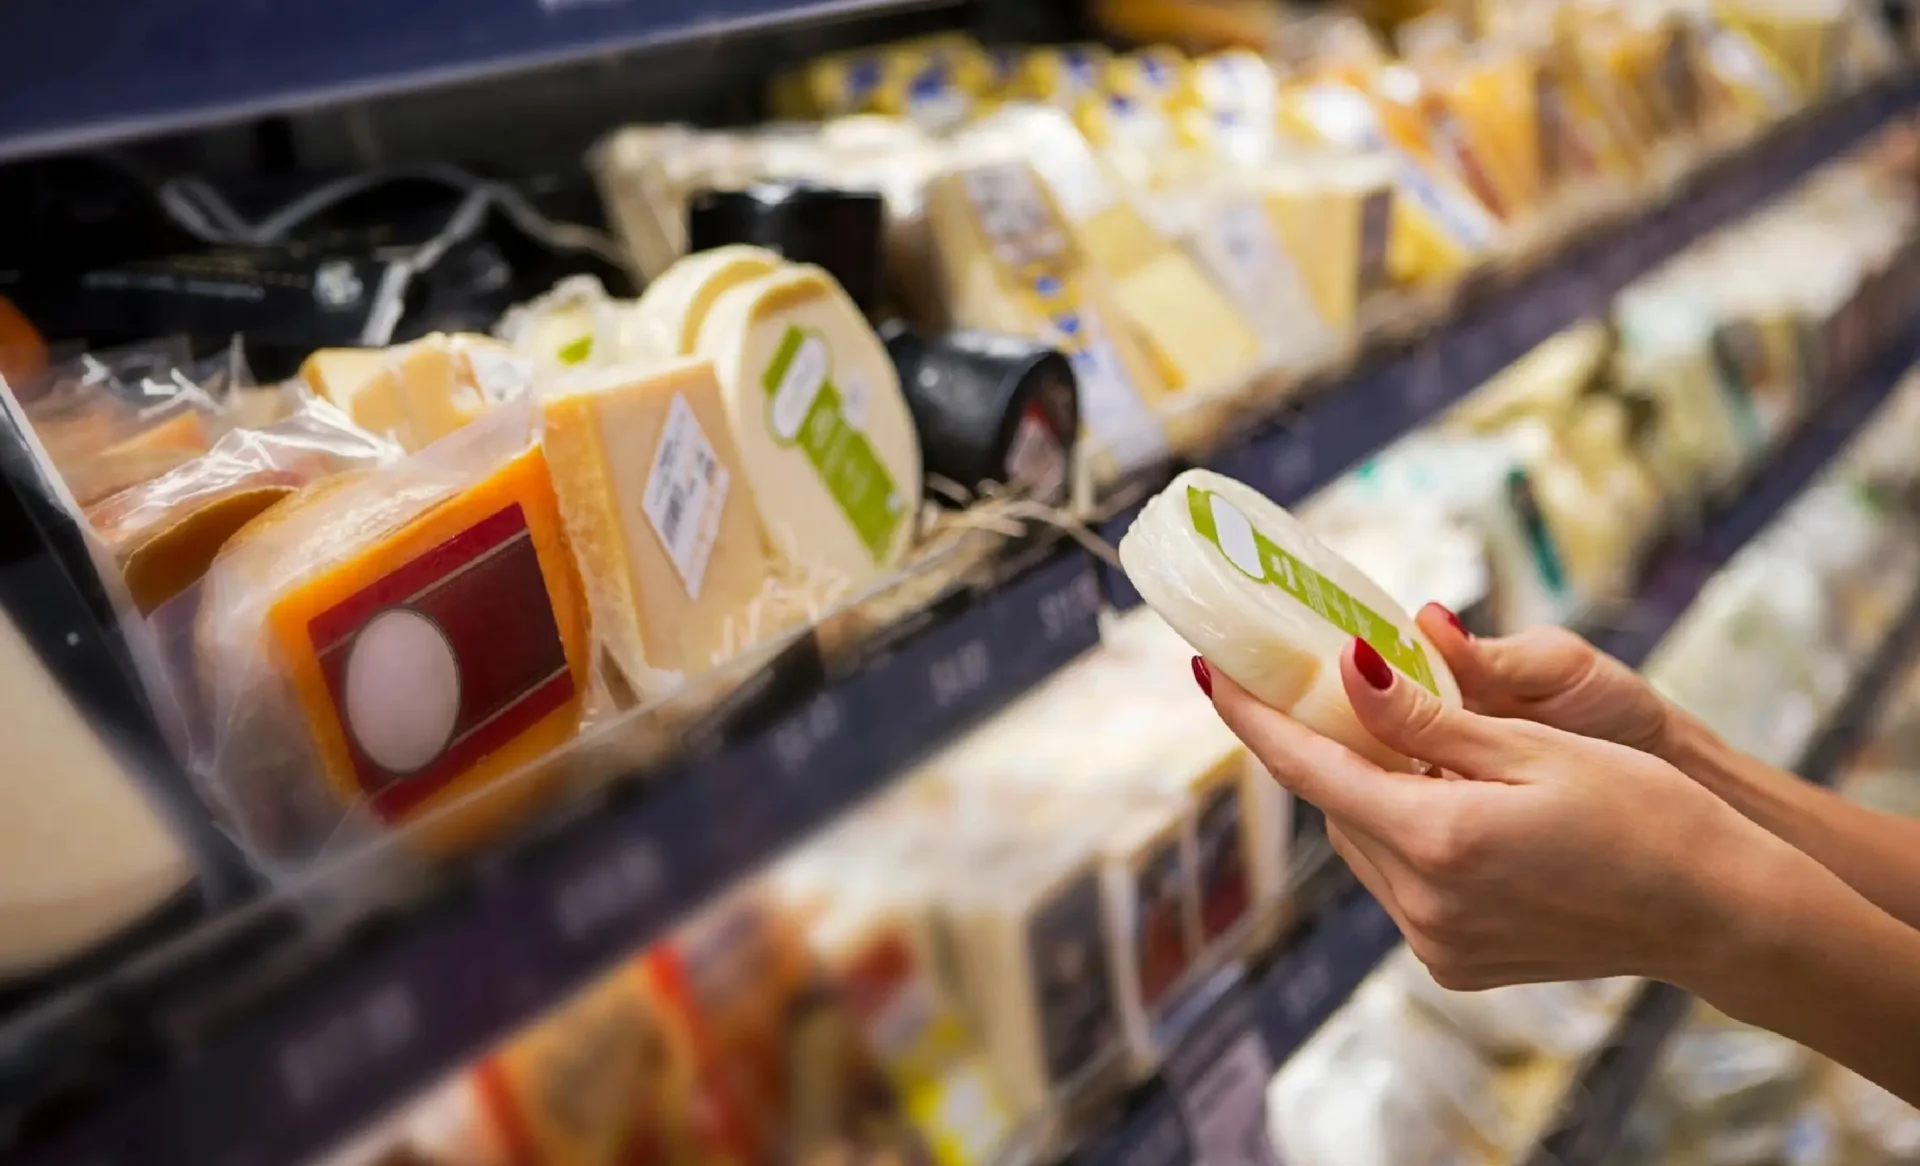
1264	561
805	407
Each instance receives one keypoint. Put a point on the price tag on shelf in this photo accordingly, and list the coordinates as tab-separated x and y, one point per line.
1218	1075
1155	1136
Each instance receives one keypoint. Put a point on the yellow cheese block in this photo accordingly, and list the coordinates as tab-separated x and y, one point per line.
673	307
826	442
659	514
389	644
1333	214
418	393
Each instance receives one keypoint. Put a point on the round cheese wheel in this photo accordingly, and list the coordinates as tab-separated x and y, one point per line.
823	431
1263	600
672	309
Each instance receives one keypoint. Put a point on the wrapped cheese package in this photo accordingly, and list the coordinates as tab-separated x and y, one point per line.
386	644
1254	592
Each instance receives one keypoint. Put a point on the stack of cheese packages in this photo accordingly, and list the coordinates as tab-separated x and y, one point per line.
762	1031
1194	231
1777	638
1408	1073
389	609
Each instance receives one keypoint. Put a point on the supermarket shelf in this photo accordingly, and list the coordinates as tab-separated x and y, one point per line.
1340	422
1339	947
263	1038
88	72
1594	1112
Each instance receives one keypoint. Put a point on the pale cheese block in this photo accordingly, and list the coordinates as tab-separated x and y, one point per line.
826	441
1030	953
673	308
1264	601
1334	215
418	393
85	855
658	513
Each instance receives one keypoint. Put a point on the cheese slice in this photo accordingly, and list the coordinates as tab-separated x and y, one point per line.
672	309
84	855
825	437
1254	592
659	514
386	644
418	393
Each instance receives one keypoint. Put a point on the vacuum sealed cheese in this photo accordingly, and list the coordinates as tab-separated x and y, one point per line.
166	532
383	644
1254	592
656	506
825	437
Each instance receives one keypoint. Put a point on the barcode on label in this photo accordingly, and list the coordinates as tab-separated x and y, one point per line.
686	494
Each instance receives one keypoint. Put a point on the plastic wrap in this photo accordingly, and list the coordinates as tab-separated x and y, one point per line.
1254	592
386	643
165	533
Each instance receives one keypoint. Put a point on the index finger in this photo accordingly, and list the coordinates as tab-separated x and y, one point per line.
1317	769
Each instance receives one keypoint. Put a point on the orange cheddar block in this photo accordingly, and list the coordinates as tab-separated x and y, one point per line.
443	654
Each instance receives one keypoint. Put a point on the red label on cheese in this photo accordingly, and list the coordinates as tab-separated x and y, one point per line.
443	660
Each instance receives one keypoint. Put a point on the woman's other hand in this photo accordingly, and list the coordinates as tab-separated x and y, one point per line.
1554	677
1537	854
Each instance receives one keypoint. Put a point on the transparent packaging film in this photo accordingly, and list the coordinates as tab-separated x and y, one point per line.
1263	600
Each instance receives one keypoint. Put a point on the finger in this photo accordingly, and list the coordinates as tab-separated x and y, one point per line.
1405	716
1314	768
1369	870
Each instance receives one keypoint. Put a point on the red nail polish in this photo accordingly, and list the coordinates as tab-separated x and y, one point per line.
1452	619
1203	676
1372	666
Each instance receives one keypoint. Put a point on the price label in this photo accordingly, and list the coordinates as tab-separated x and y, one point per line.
1423	384
1306	986
959	674
800	738
373	1027
1219	1077
623	884
1070	606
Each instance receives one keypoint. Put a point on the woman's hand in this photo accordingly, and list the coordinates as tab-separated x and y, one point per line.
1557	857
1554	677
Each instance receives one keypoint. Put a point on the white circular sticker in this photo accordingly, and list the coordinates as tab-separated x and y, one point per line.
1235	534
402	690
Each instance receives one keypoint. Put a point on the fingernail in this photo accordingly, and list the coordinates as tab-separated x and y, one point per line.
1452	619
1371	665
1203	676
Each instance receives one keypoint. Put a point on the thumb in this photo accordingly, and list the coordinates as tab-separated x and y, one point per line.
1501	674
1408	718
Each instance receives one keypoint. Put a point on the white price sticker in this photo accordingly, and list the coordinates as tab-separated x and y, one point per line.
686	494
1226	1106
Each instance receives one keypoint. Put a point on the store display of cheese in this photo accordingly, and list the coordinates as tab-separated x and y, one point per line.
388	648
1256	594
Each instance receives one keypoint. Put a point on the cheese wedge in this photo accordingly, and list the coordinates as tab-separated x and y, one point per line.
659	515
673	308
418	393
387	643
825	437
1254	592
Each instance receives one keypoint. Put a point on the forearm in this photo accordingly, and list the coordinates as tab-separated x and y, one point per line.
1875	854
1803	955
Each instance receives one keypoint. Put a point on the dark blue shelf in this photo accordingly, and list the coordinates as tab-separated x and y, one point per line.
86	72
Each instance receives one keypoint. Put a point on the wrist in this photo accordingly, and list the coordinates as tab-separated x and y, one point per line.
1745	918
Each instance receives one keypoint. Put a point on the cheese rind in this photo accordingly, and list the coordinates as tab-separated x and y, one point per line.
673	308
659	515
1254	592
825	437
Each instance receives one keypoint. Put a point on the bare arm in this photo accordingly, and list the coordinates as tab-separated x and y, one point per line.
1877	854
